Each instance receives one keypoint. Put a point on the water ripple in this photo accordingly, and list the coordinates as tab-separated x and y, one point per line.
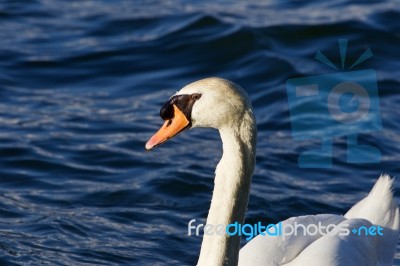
81	84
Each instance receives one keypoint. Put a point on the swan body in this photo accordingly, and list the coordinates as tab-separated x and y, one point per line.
225	106
332	249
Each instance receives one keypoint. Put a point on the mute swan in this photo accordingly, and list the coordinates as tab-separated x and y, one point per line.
223	105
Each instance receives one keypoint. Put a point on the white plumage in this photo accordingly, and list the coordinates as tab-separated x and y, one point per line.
378	208
225	106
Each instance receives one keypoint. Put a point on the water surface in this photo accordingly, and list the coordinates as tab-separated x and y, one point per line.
81	84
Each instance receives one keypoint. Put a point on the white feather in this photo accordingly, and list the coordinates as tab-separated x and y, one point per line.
226	107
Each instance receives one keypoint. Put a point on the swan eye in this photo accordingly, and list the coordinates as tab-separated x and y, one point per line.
196	96
184	102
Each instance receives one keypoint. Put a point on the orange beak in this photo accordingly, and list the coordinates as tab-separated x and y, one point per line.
170	128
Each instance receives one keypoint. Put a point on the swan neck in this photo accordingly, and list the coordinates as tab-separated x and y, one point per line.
231	193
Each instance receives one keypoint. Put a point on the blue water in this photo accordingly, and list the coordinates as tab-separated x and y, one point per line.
81	84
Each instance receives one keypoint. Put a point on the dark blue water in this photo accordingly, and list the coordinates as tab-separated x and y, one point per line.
81	84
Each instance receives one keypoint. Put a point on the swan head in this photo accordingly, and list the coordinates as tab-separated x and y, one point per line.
211	102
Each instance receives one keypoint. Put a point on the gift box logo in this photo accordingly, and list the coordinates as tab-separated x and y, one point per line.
332	105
